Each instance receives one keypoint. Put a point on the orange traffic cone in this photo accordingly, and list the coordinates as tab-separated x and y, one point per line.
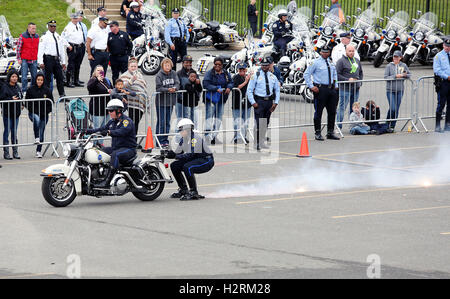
149	140
304	151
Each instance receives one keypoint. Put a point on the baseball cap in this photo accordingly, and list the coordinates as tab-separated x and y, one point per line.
187	58
103	19
115	23
101	8
242	65
447	42
398	53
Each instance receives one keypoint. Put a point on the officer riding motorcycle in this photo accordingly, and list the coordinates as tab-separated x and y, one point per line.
134	21
282	31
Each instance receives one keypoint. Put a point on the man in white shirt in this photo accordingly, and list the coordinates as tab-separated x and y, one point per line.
101	12
73	34
339	50
52	56
97	44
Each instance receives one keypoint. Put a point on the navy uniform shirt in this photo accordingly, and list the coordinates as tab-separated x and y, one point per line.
122	132
119	44
134	23
192	148
279	29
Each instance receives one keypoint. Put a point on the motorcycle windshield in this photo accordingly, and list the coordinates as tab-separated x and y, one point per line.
300	20
366	19
273	16
331	18
192	9
399	20
426	23
152	8
4	27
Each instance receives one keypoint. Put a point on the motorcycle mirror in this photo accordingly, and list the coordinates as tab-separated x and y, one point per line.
163	7
327	8
419	13
391	11
206	10
442	25
316	17
359	10
414	21
270	5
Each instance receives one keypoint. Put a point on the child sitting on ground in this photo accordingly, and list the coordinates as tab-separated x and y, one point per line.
358	128
372	112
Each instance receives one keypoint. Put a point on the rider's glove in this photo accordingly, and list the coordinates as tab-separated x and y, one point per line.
171	154
104	133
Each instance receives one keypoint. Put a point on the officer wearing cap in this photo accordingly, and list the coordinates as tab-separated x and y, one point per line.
339	50
441	68
83	46
97	45
134	21
52	56
263	93
119	47
280	28
176	34
73	34
101	12
325	92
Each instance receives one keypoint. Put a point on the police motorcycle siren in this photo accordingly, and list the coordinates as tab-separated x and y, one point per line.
364	36
8	58
425	40
393	37
329	29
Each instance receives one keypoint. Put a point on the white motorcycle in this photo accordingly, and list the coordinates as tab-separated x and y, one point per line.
86	166
425	40
363	33
272	17
8	58
301	32
329	30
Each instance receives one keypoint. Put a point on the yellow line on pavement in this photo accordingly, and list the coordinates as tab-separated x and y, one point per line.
26	275
448	233
391	212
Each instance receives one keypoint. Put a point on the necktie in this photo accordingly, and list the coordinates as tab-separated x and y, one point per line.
329	72
56	42
179	27
267	84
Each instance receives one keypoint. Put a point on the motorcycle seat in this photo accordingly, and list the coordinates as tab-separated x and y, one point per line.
226	56
213	24
230	24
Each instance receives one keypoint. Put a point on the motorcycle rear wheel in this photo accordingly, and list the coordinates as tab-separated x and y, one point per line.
151	66
154	190
55	195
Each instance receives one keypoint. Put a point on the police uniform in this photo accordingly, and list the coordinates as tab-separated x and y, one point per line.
441	68
74	35
83	46
325	79
263	89
176	33
99	46
279	29
119	47
95	22
52	54
134	24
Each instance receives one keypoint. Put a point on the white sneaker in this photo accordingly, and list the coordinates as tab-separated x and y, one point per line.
38	155
37	141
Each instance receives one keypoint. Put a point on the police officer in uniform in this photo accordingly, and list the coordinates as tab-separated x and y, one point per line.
97	45
83	46
176	34
192	156
280	28
123	144
51	56
441	68
74	35
263	93
119	47
134	21
325	91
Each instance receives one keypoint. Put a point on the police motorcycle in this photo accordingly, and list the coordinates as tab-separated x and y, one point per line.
330	28
301	33
8	58
206	63
272	17
364	36
86	165
394	37
204	33
425	40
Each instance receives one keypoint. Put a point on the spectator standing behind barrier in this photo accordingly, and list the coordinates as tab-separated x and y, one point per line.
97	44
176	34
324	88
98	84
441	68
74	35
396	72
27	53
38	111
134	81
183	77
167	84
373	112
11	111
340	49
119	48
190	98
358	128
240	105
348	68
252	14
218	85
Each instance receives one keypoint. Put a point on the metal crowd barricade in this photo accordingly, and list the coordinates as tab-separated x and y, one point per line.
27	121
425	97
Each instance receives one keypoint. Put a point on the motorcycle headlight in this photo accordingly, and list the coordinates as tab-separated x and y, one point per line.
68	149
419	36
391	34
328	30
359	33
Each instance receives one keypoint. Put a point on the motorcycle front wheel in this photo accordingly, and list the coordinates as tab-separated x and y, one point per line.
154	190
151	66
56	194
407	59
378	61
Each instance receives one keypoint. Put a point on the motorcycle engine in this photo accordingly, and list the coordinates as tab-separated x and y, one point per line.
207	41
201	34
119	185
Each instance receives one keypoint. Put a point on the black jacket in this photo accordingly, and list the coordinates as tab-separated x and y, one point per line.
41	108
371	115
97	105
7	92
191	97
122	132
251	13
238	97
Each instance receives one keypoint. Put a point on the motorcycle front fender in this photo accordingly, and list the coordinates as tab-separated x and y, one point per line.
62	170
383	48
410	50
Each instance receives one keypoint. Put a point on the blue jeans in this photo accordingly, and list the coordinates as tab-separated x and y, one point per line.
39	123
360	130
394	99
163	114
186	112
240	121
10	125
214	113
345	96
28	65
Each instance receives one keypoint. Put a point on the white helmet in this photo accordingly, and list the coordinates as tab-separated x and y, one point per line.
282	12
115	104
134	4
185	124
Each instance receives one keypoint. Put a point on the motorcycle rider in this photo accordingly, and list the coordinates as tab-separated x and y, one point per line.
134	21
280	28
192	156
123	145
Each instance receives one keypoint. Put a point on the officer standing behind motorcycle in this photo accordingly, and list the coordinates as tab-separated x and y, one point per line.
134	21
263	93
119	47
176	34
123	144
74	35
193	156
280	28
441	68
325	91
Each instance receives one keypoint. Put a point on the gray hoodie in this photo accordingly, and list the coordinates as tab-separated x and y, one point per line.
395	84
163	83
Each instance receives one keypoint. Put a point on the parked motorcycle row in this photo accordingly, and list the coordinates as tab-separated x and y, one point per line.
8	58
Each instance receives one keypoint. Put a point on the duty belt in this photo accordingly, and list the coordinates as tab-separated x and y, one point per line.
264	98
97	50
76	45
324	85
51	56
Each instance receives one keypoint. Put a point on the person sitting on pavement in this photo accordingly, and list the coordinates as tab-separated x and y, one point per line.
372	112
358	128
192	156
